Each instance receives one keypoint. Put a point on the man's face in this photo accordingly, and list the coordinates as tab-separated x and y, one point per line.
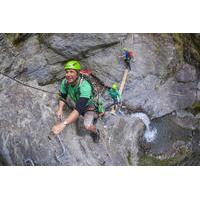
71	75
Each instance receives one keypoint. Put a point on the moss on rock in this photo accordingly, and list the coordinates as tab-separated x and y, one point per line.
179	45
195	108
129	158
149	160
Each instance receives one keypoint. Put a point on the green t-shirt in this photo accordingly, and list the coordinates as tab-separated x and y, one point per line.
84	90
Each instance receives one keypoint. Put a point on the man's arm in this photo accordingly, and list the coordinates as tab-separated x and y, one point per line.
61	105
80	109
72	117
59	112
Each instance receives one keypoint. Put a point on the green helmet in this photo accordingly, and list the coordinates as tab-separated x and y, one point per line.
124	49
114	86
72	64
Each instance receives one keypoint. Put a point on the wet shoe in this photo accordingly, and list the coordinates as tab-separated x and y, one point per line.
96	136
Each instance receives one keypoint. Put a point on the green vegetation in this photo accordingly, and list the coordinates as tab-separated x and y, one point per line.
187	47
152	161
129	158
3	161
11	36
196	105
14	38
195	108
179	45
148	160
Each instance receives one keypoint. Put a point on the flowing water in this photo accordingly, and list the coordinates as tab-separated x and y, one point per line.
164	134
150	132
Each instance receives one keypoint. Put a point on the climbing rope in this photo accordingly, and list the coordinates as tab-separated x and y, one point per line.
27	85
62	154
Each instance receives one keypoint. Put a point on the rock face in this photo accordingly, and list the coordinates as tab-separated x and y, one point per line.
10	60
27	117
162	81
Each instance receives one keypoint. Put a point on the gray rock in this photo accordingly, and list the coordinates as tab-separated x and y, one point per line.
78	45
186	120
187	73
31	47
28	136
10	61
159	83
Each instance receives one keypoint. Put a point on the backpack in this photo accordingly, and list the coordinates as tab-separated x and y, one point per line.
130	54
126	54
86	74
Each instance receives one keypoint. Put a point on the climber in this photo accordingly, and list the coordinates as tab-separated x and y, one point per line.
115	95
127	55
80	92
